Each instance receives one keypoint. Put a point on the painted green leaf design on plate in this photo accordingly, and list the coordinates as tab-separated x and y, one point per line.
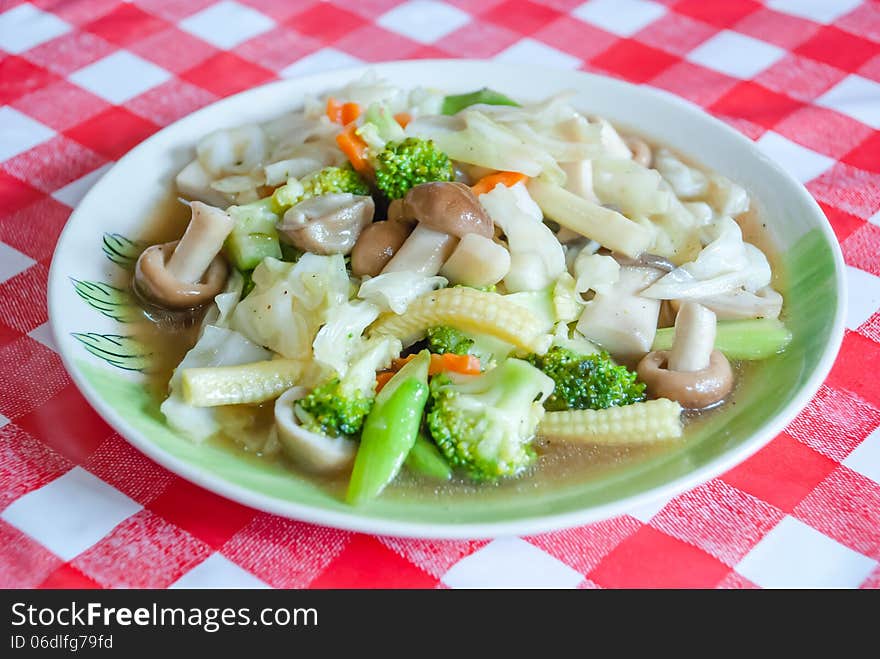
122	251
114	302
121	351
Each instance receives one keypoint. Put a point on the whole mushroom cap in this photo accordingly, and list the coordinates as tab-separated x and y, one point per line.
448	207
156	285
693	389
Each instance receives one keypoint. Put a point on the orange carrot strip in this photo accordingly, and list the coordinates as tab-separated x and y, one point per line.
382	378
464	364
334	110
354	148
403	118
350	112
488	183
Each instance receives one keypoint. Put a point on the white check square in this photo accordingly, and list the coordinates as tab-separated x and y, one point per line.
736	54
795	555
71	513
72	193
120	77
820	11
217	571
12	262
25	27
863	291
865	459
621	17
856	97
529	51
424	21
325	59
227	24
799	161
18	133
511	563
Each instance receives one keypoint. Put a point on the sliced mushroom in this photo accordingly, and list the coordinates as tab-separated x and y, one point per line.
328	224
446	211
376	245
312	451
188	272
693	372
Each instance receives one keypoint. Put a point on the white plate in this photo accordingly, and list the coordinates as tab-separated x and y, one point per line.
127	194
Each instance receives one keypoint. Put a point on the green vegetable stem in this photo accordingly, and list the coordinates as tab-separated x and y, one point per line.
390	430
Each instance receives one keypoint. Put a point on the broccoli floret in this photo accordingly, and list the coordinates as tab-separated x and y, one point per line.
446	339
334	180
329	411
402	165
485	424
587	381
340	405
329	180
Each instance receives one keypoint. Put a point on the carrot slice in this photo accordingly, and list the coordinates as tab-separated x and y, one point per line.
334	110
464	364
382	378
350	112
403	118
354	148
488	183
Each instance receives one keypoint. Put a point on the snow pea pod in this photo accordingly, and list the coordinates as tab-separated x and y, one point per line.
390	430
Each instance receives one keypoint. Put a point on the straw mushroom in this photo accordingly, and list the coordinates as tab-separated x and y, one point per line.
446	211
376	245
312	451
189	272
692	372
328	224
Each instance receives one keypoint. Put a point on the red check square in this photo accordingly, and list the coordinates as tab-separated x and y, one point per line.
227	73
124	25
36	370
15	193
858	364
79	437
651	559
719	14
18	77
523	16
696	83
325	22
203	514
757	104
675	33
112	133
366	562
867	154
782	473
634	61
841	49
583	548
68	577
843	223
61	105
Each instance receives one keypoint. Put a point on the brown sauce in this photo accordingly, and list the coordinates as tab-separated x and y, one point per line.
557	464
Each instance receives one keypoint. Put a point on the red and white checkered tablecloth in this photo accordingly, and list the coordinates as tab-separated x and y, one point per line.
83	81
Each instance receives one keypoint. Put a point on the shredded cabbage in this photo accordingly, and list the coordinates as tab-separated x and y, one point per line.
290	302
342	335
725	264
393	291
634	189
536	256
686	182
